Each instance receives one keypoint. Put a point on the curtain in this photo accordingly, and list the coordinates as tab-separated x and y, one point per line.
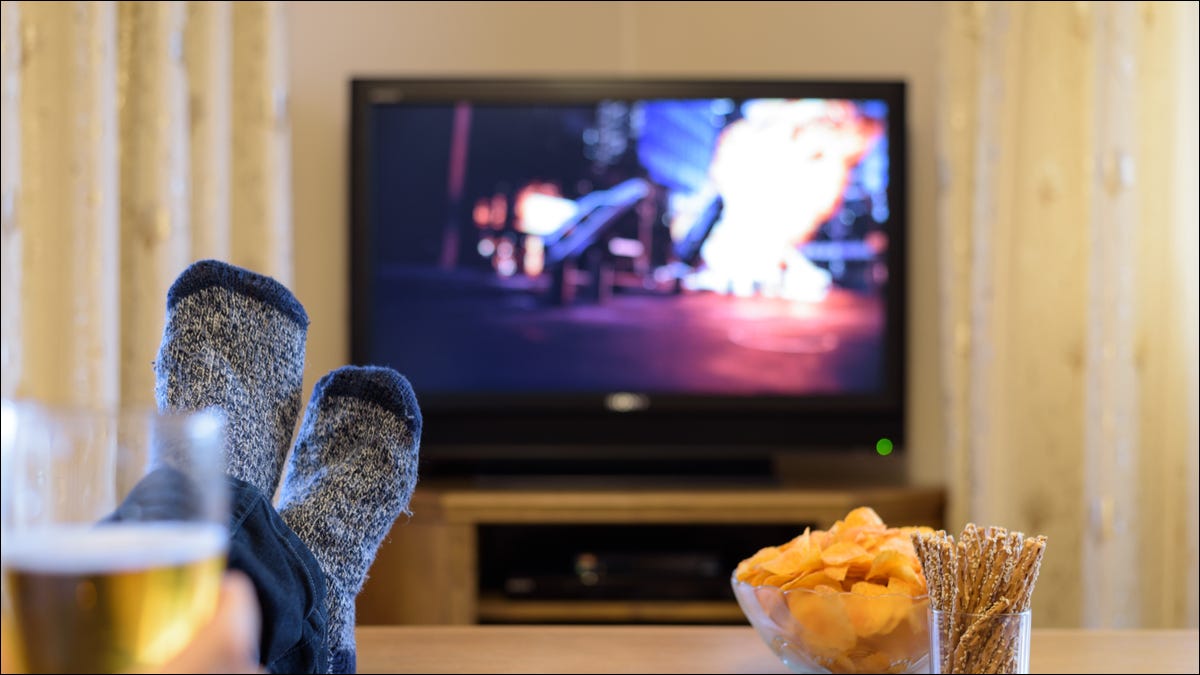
137	138
1068	249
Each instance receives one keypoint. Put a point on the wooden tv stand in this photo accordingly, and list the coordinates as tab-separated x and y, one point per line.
427	572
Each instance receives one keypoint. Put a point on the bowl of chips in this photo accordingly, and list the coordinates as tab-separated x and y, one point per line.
851	599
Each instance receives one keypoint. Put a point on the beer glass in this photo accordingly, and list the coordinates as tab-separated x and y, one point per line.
115	532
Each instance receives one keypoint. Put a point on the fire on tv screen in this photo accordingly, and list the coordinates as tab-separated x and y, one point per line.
682	246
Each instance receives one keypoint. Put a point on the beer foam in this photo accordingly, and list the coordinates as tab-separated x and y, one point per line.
90	549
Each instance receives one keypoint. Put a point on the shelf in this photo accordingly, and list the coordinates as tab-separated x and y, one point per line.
901	505
495	608
428	569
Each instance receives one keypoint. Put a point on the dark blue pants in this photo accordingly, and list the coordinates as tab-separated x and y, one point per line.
289	582
286	576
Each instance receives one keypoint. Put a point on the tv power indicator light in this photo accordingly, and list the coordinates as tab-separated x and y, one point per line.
883	446
624	401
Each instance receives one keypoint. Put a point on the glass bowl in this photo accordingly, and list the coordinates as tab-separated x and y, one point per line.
825	631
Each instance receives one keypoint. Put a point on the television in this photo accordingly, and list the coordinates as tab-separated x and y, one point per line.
633	276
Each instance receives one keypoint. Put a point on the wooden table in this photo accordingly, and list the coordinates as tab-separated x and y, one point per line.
712	649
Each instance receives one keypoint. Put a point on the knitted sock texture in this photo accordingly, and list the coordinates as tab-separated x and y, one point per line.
352	473
235	340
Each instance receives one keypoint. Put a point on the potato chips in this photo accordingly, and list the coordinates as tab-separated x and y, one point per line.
850	599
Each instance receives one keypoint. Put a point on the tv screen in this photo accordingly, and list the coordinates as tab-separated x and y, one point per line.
580	268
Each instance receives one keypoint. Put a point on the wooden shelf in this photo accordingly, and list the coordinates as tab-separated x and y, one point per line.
495	608
427	572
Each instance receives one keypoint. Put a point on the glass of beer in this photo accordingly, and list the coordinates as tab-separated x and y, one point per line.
115	532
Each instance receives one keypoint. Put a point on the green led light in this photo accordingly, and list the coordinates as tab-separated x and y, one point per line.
884	446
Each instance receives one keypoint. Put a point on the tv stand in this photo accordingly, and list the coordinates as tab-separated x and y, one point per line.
448	563
613	470
628	482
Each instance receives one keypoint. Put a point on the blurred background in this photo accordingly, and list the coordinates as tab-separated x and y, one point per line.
1053	292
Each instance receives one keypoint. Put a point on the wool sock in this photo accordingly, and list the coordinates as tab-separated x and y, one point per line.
235	340
352	472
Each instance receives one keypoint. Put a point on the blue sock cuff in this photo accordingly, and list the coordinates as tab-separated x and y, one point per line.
343	661
208	273
379	385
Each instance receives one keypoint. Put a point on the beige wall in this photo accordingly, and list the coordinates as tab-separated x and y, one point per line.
332	42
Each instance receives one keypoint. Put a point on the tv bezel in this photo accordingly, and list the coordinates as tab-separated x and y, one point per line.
486	432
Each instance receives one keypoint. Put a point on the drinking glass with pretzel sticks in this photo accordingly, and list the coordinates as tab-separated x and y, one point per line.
980	588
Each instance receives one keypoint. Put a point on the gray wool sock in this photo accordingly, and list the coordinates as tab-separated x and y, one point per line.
352	472
235	340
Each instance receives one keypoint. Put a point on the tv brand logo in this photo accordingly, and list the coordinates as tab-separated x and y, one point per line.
624	401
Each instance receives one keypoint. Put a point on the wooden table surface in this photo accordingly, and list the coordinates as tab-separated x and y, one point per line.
713	649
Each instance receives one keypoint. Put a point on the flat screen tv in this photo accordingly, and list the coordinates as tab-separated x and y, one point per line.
583	275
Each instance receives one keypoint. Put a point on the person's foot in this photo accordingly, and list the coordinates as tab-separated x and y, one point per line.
352	472
235	340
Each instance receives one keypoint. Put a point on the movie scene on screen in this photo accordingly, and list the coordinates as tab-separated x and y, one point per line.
697	247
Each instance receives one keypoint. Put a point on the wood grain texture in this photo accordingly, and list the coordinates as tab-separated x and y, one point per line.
711	649
426	571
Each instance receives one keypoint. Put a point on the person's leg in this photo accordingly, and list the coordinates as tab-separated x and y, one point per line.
352	472
235	340
288	581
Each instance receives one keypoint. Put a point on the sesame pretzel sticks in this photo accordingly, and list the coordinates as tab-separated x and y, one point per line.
986	573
